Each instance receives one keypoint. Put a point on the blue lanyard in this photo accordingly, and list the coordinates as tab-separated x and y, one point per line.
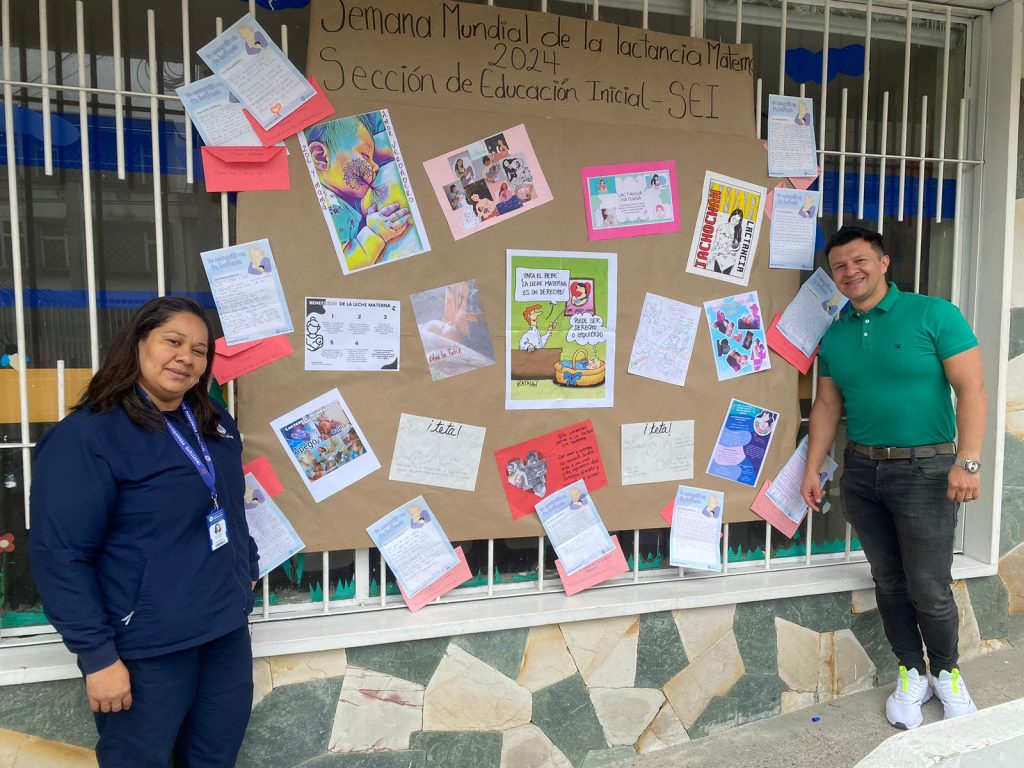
204	465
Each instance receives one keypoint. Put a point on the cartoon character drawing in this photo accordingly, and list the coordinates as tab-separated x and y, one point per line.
314	340
259	261
418	516
254	41
532	338
577	499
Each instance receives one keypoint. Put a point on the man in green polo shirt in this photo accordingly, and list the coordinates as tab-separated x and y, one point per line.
892	358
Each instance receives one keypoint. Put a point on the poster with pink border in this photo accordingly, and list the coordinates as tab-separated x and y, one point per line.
488	181
630	199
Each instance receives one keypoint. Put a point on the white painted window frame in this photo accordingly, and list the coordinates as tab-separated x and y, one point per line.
33	654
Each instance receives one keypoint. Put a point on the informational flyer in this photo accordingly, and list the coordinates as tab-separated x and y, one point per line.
695	539
791	146
664	340
574	528
436	452
631	199
532	468
488	181
728	224
560	330
352	334
784	491
362	185
325	445
811	312
275	538
247	290
737	335
217	114
257	71
743	443
414	546
453	329
794	228
657	451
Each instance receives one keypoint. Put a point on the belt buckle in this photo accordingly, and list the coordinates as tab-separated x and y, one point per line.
888	452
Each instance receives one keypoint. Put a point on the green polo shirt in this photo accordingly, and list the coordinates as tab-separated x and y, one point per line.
887	363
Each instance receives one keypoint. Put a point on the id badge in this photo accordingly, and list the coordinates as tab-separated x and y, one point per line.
217	527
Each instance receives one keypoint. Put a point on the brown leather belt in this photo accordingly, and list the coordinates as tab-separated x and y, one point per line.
881	453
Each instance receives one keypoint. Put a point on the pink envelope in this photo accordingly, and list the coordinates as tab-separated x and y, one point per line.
264	473
312	111
783	346
230	362
246	169
456	576
608	566
764	508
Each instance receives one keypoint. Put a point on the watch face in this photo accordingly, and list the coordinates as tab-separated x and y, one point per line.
972	467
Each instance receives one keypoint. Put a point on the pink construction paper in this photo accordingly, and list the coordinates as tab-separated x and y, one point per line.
666	512
601	570
230	362
781	345
458	575
763	508
630	230
802	182
264	473
439	171
312	111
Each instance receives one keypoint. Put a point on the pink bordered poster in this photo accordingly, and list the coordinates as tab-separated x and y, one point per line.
488	181
631	199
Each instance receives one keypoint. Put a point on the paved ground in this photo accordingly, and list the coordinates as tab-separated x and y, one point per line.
849	728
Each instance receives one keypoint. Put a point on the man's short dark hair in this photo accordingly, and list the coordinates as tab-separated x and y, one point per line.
850	233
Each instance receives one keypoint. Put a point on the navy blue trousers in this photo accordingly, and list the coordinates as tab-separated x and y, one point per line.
193	705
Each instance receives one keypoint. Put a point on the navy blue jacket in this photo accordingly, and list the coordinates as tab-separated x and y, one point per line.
120	550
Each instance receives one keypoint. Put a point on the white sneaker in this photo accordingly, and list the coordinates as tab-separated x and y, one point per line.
952	692
903	707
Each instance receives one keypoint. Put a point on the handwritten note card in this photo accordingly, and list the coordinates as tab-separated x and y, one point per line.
437	452
653	452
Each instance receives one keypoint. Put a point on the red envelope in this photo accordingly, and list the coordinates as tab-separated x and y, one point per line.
783	346
245	169
312	111
231	362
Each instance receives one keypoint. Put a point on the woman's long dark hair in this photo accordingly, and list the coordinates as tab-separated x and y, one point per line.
114	383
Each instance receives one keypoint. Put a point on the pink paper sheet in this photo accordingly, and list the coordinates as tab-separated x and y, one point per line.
264	473
781	345
458	575
245	169
764	508
630	230
230	362
601	570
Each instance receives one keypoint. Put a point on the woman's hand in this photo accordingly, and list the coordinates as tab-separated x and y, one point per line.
109	689
254	584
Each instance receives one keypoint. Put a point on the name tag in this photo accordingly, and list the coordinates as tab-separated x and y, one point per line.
217	527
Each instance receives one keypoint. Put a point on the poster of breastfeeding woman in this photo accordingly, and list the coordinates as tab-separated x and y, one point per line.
727	228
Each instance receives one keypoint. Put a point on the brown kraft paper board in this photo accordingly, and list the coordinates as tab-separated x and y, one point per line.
566	137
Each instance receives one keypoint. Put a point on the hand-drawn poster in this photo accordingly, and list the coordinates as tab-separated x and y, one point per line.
560	330
696	529
247	290
737	335
728	224
453	329
743	443
352	334
437	452
657	451
533	467
794	228
363	188
488	181
630	199
791	146
664	340
325	445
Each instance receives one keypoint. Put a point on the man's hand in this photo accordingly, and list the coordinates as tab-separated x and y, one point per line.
962	485
109	689
530	348
810	490
389	222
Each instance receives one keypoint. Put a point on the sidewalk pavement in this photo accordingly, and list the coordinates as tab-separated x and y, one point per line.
849	728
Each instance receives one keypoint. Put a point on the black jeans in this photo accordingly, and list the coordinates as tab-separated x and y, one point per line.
905	524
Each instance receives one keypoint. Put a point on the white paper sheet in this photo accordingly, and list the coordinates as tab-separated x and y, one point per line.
275	538
791	150
655	452
413	545
664	340
794	228
784	491
246	288
573	527
811	312
695	540
437	452
352	334
216	114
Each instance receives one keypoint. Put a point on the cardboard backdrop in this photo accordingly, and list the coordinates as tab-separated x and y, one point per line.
566	135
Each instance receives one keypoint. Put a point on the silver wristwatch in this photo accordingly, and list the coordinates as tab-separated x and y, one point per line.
970	466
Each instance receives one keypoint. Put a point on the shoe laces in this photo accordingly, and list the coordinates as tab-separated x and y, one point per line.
909	687
952	686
